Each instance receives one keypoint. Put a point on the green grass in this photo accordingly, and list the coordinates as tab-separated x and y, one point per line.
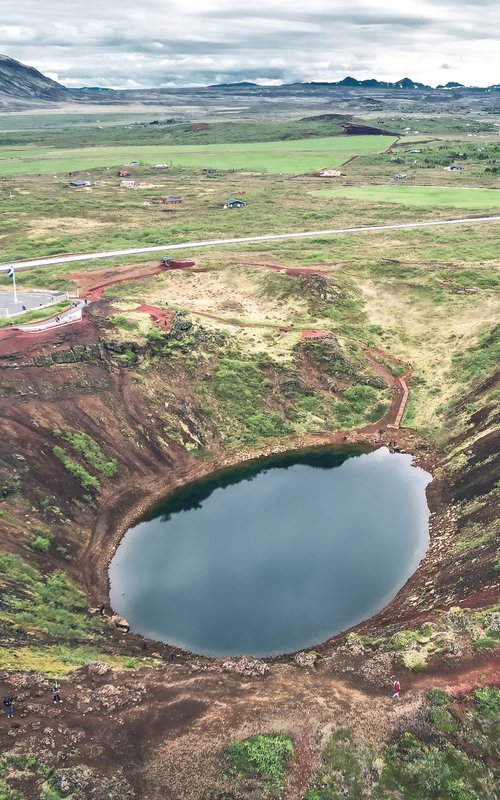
302	155
264	756
420	196
36	315
347	765
88	448
487	701
441	719
57	661
241	387
75	469
49	604
418	771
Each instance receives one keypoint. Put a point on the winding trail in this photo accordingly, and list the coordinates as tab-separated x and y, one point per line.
270	237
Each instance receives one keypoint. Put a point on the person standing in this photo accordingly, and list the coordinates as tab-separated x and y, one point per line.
396	687
8	702
56	697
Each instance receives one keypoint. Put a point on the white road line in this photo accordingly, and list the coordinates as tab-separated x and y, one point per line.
45	262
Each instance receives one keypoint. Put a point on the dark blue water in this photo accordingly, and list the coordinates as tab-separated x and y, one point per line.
274	558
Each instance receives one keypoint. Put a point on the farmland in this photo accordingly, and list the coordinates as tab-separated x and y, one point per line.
420	196
286	157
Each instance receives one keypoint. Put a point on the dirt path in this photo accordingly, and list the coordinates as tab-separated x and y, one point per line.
166	728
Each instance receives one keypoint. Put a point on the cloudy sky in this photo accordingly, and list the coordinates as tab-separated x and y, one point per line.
136	43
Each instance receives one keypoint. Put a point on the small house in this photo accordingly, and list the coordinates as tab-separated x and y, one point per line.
330	173
234	202
174	198
123	173
78	183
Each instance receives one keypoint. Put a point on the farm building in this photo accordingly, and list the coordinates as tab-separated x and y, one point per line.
234	202
123	173
174	198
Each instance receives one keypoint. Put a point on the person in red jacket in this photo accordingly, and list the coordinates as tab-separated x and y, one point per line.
396	687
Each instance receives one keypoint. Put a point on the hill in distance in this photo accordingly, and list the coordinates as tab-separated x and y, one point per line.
23	86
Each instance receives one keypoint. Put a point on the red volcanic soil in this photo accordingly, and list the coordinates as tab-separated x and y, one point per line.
161	318
311	334
13	342
92	284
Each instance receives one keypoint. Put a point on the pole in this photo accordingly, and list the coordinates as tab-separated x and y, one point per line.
14	280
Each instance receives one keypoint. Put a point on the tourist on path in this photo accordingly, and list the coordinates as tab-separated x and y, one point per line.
56	697
8	704
396	686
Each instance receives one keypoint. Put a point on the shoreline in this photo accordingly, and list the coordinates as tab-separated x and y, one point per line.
125	509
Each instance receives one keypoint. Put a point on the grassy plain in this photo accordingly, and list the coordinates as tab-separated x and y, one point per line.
421	196
289	157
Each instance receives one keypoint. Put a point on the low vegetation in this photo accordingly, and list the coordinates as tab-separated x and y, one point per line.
88	448
264	756
34	603
75	469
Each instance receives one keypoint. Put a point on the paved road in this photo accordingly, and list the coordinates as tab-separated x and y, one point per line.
45	262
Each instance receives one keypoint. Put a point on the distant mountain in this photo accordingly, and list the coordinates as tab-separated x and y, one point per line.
373	83
22	85
237	85
451	85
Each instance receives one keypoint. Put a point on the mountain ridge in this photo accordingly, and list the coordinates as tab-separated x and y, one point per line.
23	86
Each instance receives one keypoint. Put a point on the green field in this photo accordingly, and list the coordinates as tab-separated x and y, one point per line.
289	157
421	196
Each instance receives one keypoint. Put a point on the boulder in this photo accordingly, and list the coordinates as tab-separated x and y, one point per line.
246	665
120	623
305	659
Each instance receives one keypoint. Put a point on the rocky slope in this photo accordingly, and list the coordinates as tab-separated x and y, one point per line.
24	86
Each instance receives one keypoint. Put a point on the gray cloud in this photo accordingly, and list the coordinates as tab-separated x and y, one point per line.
165	42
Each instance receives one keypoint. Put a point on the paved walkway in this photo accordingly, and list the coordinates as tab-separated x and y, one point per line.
73	314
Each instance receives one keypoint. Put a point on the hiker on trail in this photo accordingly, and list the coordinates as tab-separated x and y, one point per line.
102	610
9	708
56	697
396	686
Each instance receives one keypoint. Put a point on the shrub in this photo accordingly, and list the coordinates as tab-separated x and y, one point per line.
75	469
485	642
264	756
402	639
487	701
42	541
437	697
443	720
85	446
420	772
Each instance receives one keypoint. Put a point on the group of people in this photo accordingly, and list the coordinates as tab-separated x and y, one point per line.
8	700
